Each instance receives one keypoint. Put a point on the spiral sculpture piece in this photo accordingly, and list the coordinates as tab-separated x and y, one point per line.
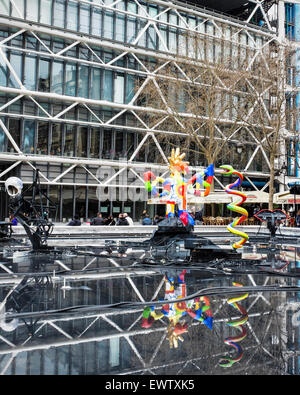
226	361
235	206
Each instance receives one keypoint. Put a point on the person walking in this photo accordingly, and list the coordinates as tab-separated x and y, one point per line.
298	219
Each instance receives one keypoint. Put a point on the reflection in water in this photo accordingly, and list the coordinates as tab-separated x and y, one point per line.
174	312
94	314
238	323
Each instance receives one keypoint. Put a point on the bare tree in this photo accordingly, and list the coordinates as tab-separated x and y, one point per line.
268	98
200	100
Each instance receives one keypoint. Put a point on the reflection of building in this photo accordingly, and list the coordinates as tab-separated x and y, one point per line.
67	79
111	341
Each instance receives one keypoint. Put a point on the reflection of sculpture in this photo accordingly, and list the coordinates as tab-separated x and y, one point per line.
235	206
176	187
175	311
22	298
238	323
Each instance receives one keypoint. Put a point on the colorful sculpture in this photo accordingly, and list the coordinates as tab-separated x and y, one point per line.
225	361
176	311
176	187
235	206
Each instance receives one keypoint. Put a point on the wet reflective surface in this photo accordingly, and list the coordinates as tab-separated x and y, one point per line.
90	310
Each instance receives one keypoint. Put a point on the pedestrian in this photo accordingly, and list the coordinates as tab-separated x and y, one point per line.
13	220
156	220
147	220
198	217
75	221
98	220
129	219
122	220
298	219
143	214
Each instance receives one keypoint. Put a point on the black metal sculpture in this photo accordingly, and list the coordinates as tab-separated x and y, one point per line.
273	219
32	213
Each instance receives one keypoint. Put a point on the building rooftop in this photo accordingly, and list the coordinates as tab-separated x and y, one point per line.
241	9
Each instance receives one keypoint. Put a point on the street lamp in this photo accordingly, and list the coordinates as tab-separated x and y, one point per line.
239	148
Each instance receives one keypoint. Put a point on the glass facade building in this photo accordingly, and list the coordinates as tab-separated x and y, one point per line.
69	103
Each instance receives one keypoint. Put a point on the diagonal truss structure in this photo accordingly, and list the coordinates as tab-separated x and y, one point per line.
135	57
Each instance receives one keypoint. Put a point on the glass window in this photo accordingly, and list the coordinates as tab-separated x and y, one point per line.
70	86
182	47
172	41
142	40
173	18
152	36
162	42
14	130
18	10
67	193
131	7
72	16
42	140
107	144
28	137
44	76
120	28
129	144
119	89
83	81
96	21
92	202
32	10
107	85
46	11
2	139
121	5
3	70
95	83
56	139
119	151
84	19
140	156
30	73
59	13
4	7
95	141
57	77
227	45
16	62
69	145
31	42
131	27
108	25
82	142
130	84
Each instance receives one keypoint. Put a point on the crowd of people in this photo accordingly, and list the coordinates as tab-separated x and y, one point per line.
99	220
124	219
